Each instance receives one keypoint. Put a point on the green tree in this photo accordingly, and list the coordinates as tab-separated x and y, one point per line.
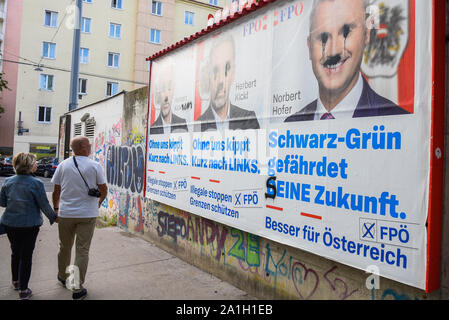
3	85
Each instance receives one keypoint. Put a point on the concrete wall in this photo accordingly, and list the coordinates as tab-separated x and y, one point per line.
117	141
108	128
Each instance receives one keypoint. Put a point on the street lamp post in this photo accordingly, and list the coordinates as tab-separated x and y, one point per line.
73	103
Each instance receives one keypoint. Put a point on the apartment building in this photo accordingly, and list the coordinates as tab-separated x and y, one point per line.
10	26
163	22
116	38
3	7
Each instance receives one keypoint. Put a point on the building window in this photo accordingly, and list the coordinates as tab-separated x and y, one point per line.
188	18
115	30
82	86
113	59
85	24
214	2
87	1
111	88
156	8
116	4
44	114
155	36
47	81
49	50
84	55
51	19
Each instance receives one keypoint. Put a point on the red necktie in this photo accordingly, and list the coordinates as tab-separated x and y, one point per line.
327	116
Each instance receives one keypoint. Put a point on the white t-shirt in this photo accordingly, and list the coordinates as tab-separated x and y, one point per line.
74	201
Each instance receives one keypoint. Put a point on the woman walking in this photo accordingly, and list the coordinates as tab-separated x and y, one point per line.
24	197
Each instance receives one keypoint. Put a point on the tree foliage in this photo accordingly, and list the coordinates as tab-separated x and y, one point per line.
3	86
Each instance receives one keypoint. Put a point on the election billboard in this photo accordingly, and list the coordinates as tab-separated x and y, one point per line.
309	123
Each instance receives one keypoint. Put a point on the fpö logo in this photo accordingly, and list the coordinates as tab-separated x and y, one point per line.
279	15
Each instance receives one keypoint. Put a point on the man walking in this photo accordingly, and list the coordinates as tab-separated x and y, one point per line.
76	199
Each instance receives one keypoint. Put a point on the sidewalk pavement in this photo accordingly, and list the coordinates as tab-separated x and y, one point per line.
121	267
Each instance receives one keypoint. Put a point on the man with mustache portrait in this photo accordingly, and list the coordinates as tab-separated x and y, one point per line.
167	122
337	39
221	114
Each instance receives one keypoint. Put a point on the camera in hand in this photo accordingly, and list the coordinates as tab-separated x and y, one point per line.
94	193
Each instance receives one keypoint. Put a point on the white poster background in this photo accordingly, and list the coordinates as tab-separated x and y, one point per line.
403	172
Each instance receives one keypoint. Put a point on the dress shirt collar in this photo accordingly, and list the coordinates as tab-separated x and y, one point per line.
221	125
166	126
345	109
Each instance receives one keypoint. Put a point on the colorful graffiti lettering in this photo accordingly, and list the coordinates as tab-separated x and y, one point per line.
125	167
117	128
278	269
134	137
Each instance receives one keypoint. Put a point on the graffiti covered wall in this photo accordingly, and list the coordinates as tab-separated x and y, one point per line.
107	118
125	172
262	267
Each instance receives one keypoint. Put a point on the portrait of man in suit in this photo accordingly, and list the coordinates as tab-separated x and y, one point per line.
221	114
338	35
167	121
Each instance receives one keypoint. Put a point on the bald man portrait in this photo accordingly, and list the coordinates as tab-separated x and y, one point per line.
167	121
221	113
337	39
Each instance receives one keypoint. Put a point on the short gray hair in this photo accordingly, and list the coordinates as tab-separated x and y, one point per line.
221	39
23	162
315	3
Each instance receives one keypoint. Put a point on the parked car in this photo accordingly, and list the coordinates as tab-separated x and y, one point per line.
6	167
46	167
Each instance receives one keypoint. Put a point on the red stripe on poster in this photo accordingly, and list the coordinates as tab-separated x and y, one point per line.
274	208
313	216
146	135
436	149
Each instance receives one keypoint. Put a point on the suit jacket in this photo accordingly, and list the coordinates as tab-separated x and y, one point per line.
370	105
239	119
177	125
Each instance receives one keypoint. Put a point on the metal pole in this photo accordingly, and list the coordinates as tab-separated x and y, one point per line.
73	103
20	125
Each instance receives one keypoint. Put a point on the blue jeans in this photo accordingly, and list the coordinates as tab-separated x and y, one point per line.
22	242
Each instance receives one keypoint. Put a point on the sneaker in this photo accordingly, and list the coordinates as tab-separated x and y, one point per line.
15	285
79	295
61	281
25	294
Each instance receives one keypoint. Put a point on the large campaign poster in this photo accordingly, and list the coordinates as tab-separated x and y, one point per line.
308	123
